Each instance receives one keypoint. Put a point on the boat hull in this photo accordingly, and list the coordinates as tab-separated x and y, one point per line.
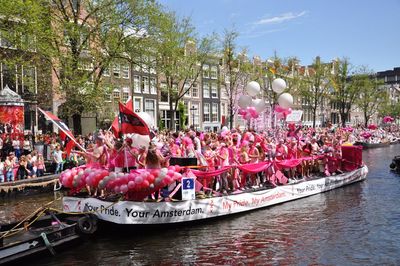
142	213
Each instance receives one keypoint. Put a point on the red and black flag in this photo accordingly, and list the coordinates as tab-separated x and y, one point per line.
115	123
130	122
64	130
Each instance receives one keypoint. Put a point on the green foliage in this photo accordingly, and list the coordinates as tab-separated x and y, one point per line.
182	115
371	97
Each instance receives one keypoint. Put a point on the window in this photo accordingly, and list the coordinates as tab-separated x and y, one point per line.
150	108
187	90
214	112
116	94
137	105
195	91
152	64
4	41
206	90
146	87
136	84
214	90
125	95
8	76
214	72
116	70
136	67
125	71
108	97
164	92
206	112
106	72
28	78
153	86
206	72
223	109
145	64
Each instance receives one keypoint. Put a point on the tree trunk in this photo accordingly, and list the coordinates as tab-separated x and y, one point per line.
231	117
366	118
314	117
171	110
76	121
343	118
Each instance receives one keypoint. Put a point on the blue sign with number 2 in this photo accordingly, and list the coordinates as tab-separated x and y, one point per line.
188	183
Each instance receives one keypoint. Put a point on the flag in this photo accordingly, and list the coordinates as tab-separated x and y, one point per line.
131	122
63	127
69	146
115	123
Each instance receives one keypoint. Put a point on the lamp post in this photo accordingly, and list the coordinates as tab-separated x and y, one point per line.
192	109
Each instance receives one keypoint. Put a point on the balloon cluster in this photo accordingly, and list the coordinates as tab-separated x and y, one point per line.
251	108
141	181
285	100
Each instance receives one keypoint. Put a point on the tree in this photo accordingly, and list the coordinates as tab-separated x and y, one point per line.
314	86
344	93
236	70
80	39
371	97
180	56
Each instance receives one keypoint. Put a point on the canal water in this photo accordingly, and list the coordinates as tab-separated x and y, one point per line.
354	225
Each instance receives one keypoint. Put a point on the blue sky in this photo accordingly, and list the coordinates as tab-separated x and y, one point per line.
367	32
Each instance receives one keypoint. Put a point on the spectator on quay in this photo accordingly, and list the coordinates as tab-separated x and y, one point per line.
58	159
31	166
7	147
41	167
2	178
23	172
27	146
10	163
16	144
1	148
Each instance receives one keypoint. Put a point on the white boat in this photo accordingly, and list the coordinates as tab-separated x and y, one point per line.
141	213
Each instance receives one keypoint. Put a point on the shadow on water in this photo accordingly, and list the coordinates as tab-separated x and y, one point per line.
354	225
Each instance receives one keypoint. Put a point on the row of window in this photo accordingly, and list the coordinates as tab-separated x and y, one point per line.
210	90
18	78
210	72
210	115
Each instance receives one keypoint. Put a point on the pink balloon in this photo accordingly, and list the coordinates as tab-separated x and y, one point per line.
150	178
248	116
172	168
145	184
156	172
242	112
279	109
177	176
124	188
170	172
131	185
117	189
178	168
139	180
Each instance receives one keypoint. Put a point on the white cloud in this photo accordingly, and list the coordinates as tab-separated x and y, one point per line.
256	34
279	19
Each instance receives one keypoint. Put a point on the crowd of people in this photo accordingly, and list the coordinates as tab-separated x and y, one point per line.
22	158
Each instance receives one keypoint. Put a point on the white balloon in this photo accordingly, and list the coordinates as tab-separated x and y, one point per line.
146	118
259	105
253	88
278	85
140	141
285	100
244	101
224	128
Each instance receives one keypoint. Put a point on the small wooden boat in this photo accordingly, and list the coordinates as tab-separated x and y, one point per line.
19	241
148	213
366	145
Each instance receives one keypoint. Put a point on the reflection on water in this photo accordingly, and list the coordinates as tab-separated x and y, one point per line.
355	225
